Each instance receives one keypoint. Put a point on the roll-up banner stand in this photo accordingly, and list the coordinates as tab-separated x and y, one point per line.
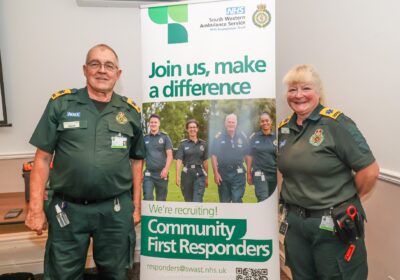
204	61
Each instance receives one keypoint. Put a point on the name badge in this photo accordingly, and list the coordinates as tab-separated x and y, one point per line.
257	173
239	170
285	130
147	173
185	169
118	142
74	124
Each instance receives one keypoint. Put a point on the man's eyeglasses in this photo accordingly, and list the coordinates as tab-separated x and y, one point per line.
96	65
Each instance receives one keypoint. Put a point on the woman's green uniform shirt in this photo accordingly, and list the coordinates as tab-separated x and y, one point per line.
317	160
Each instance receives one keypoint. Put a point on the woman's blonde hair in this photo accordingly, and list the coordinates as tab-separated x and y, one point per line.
305	73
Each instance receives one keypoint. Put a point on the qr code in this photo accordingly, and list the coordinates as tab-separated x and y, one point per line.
251	273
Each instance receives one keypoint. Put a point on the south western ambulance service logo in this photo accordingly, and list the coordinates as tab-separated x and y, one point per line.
317	138
202	148
121	118
261	17
161	141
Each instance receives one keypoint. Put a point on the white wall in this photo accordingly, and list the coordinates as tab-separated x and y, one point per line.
43	47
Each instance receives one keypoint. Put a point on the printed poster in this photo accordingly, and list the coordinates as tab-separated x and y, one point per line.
210	61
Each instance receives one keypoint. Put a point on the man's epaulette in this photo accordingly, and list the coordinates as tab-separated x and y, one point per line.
252	135
331	113
183	140
243	134
57	94
163	132
218	135
285	121
131	103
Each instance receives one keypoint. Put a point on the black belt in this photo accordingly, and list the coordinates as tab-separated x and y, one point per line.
230	166
82	201
315	213
192	166
308	213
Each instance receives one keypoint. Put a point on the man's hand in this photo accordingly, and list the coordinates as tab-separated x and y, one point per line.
217	178
136	216
36	221
164	173
178	181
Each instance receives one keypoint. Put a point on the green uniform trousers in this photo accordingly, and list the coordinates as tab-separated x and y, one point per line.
316	254
112	234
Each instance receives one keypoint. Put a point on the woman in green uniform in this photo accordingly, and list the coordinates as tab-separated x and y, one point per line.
192	154
326	164
261	169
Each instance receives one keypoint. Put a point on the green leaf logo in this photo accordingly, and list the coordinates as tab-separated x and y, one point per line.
173	16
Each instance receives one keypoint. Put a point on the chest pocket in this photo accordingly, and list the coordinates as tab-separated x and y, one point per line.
126	129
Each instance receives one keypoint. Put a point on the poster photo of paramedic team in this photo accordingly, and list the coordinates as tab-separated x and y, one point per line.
210	150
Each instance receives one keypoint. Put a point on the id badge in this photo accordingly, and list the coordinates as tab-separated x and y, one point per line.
257	173
263	178
283	227
118	142
239	170
61	216
147	173
327	223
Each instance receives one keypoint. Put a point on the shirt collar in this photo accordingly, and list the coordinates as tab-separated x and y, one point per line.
83	97
314	116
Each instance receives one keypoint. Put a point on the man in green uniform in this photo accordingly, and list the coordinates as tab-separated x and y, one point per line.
94	138
158	161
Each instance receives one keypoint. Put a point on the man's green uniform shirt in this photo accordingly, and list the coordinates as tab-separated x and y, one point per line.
317	159
92	149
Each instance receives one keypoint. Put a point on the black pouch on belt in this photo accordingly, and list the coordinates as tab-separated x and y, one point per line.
349	222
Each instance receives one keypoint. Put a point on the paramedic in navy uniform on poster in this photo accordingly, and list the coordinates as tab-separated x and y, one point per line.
228	151
158	161
262	161
193	154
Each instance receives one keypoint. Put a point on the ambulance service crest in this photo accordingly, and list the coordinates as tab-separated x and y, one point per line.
261	16
121	118
317	138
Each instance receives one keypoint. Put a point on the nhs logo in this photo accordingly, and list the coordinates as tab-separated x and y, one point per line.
235	10
74	114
